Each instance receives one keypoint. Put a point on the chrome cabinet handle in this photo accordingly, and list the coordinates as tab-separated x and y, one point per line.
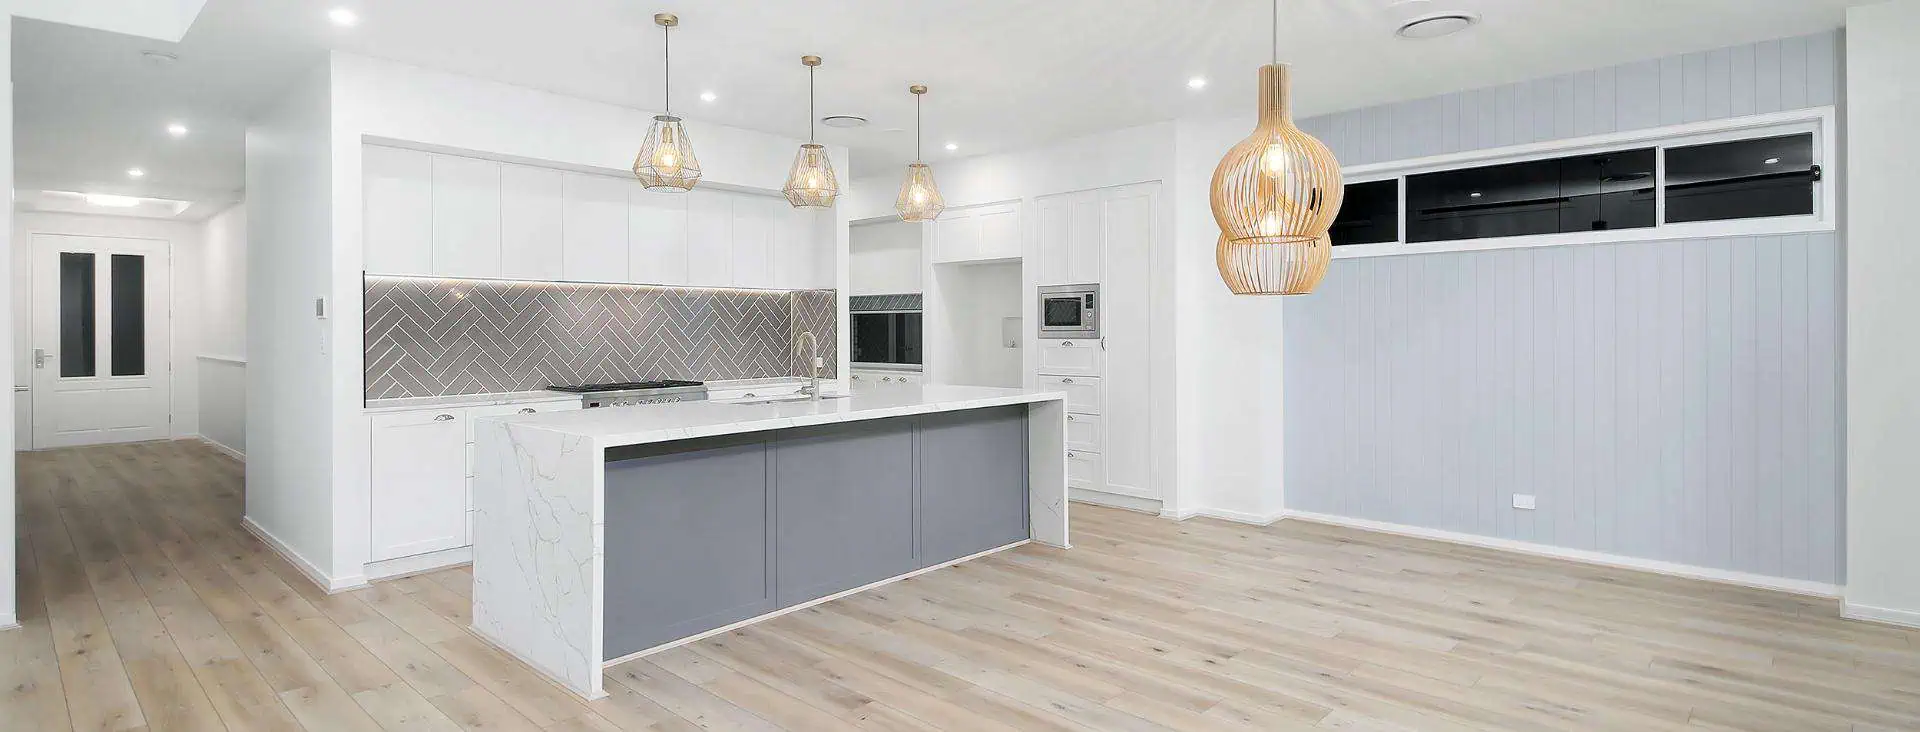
526	410
1069	418
443	418
1066	381
1072	454
1066	344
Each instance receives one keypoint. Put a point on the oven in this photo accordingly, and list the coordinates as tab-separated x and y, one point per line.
1070	311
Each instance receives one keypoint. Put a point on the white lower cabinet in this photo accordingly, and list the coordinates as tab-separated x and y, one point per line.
419	476
1070	357
422	477
1086	471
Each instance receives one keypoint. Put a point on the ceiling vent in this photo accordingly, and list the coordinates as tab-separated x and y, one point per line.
844	121
1435	25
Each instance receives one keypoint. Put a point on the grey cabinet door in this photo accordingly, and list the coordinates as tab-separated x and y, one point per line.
973	482
843	507
687	541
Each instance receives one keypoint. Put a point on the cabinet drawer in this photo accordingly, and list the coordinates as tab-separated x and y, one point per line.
1083	432
504	409
1070	357
1086	471
1083	392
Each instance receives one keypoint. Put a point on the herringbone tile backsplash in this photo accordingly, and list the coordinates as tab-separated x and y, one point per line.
442	337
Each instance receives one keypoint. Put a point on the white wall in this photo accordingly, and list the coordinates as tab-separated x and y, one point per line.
183	248
977	298
380	101
290	433
8	565
222	350
1883	337
884	258
1229	434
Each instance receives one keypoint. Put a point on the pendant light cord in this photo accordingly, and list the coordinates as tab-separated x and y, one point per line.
1276	32
919	131
810	97
667	33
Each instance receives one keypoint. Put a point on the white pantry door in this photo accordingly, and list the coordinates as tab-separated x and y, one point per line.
100	333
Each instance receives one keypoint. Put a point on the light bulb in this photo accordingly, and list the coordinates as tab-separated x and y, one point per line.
666	160
813	180
1273	161
918	195
1270	224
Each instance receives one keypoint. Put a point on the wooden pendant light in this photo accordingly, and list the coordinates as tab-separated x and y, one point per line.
1275	195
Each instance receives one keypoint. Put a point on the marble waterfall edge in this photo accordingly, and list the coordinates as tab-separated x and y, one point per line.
536	579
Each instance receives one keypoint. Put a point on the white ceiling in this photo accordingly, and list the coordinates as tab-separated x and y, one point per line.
1005	74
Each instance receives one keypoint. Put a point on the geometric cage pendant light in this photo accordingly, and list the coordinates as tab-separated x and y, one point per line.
811	183
919	198
666	161
1275	196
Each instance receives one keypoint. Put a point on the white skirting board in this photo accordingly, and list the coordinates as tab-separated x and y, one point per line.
230	452
418	563
331	585
1798	587
1114	500
9	621
1890	616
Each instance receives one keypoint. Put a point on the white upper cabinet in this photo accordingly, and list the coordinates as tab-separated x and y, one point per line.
440	215
1000	236
656	236
978	233
398	188
753	222
466	217
595	236
532	217
1071	238
802	249
709	238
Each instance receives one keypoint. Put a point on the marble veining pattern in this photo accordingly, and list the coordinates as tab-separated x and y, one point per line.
537	571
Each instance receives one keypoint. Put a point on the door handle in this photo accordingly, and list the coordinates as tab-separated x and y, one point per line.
40	357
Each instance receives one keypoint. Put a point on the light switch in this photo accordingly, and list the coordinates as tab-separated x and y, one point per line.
1523	501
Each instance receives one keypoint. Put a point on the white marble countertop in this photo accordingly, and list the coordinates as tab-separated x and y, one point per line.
619	426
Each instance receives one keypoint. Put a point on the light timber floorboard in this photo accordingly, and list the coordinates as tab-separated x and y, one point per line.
145	606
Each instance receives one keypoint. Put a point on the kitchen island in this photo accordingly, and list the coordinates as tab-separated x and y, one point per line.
604	534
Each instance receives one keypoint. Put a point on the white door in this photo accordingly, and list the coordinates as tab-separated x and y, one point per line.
1126	238
100	333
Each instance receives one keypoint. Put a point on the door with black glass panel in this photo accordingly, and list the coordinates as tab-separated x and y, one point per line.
99	358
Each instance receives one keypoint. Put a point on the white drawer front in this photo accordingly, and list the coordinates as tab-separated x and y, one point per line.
1083	392
1071	358
1086	471
1083	432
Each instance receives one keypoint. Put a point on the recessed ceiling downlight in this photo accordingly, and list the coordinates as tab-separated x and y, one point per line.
844	121
1435	25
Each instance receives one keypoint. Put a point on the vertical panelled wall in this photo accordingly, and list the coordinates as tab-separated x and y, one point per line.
1676	401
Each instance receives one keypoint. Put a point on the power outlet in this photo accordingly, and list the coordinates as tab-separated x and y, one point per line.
1523	501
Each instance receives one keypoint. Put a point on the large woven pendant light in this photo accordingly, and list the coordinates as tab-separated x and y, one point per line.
1275	196
666	161
919	198
811	183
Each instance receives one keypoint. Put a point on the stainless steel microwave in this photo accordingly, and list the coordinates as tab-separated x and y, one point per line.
1070	311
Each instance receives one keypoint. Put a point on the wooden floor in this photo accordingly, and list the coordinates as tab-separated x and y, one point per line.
144	605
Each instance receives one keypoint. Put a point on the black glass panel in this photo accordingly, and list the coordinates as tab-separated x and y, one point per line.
76	314
872	337
1595	192
1744	179
1370	215
1062	312
128	306
906	338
